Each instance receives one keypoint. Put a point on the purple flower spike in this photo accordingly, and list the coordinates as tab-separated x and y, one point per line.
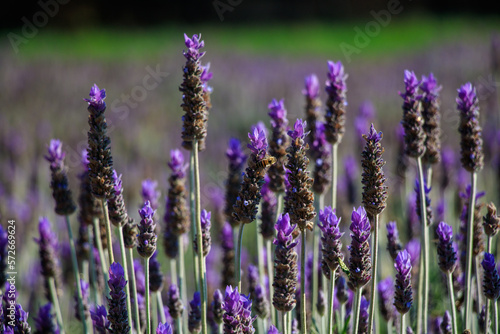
235	152
360	261
232	311
194	319
298	130
258	143
217	303
246	315
205	231
147	236
373	135
336	80
44	321
100	320
284	231
446	253
3	256
176	163
311	89
386	295
55	154
117	299
330	239
491	279
206	76
150	193
194	45
97	97
411	84
278	113
393	243
403	298
164	329
467	98
273	330
363	315
429	87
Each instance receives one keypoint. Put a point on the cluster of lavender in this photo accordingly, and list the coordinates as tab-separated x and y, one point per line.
277	177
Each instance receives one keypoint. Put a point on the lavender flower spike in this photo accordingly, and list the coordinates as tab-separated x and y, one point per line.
44	321
118	215
97	97
412	117
147	237
446	253
278	145
330	238
312	108
100	320
205	232
194	319
217	306
117	304
386	297
232	311
471	143
237	159
164	329
285	265
320	153
432	118
176	214
393	243
174	302
403	298
360	264
336	103
48	253
150	193
491	279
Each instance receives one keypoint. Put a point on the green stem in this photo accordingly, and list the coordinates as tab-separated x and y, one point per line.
452	303
425	245
93	278
389	326
55	302
402	329
303	301
487	317
260	258
74	262
331	302
270	262
173	271
420	305
334	175
478	285
178	323
97	236
342	316
356	309
201	258
85	270
161	310
238	256
374	275
285	323
279	204
108	230
315	285
470	232
133	287
125	270
495	316
192	207
182	270
154	312
147	302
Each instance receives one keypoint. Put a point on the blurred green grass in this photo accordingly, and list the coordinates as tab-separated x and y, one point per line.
402	34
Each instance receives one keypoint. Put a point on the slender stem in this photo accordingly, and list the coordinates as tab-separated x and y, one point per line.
270	262
495	316
159	303
55	302
133	287
154	311
104	268
374	275
125	270
260	256
279	203
489	244
453	308
147	302
315	245
285	323
420	304
201	258
178	323
389	326
182	270
303	301
334	175
342	316
238	256
85	270
478	285
425	245
173	271
355	312
470	232
74	262
487	317
108	230
402	330
192	208
331	302
92	269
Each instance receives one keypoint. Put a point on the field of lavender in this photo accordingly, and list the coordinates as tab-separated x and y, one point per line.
296	166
